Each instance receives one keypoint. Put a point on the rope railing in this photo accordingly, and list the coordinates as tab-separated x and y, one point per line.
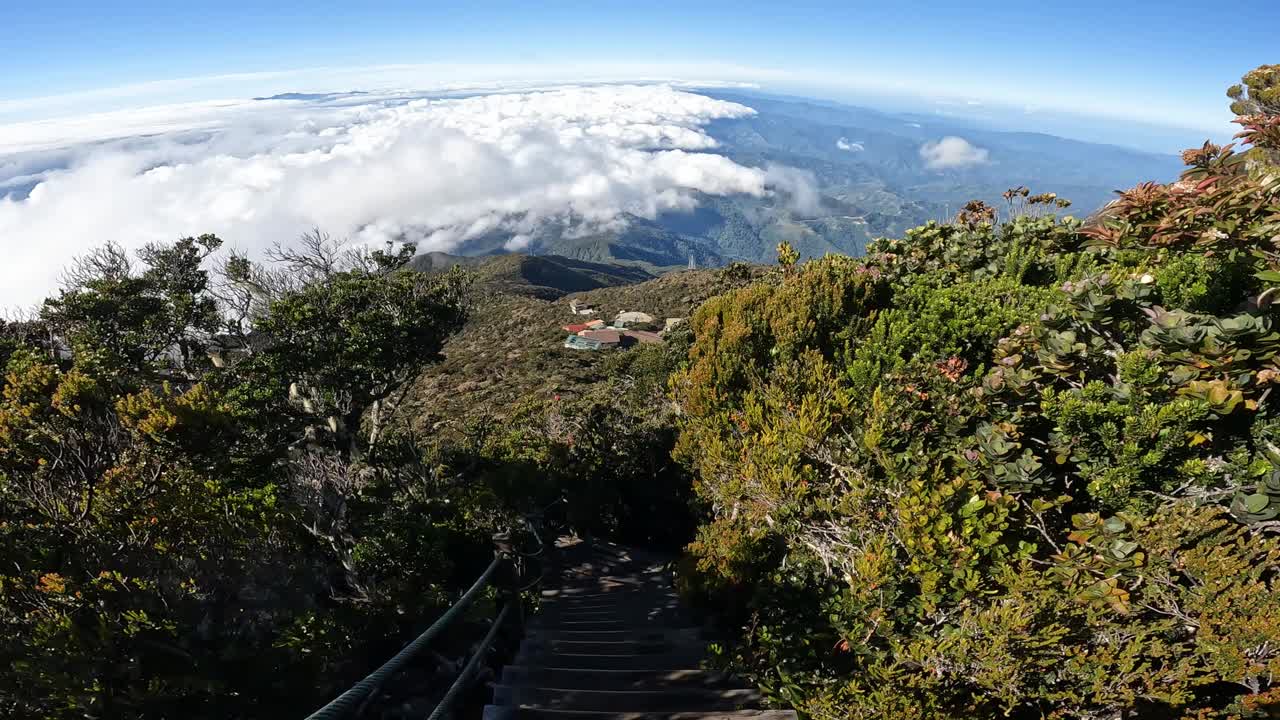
350	704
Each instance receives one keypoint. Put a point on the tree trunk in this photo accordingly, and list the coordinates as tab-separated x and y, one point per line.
375	420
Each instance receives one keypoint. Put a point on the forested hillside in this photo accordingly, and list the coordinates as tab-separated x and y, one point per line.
510	352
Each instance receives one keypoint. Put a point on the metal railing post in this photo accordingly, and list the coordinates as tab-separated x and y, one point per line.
509	575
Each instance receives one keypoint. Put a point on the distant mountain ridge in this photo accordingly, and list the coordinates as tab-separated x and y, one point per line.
547	277
872	180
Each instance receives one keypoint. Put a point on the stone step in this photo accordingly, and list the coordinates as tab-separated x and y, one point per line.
671	700
574	614
613	599
495	712
657	622
616	573
539	622
657	619
611	568
634	618
630	600
622	607
651	662
605	603
617	599
628	575
598	554
620	580
612	602
584	592
643	634
614	647
614	679
613	642
604	561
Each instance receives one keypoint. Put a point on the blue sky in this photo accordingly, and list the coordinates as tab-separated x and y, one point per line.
1164	62
134	121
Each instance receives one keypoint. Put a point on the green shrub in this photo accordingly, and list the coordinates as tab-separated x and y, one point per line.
1026	469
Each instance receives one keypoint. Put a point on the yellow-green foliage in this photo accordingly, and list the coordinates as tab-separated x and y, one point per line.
1026	469
175	539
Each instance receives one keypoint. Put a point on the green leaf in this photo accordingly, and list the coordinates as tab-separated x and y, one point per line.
1123	548
1256	503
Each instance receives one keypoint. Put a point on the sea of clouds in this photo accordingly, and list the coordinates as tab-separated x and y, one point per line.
437	171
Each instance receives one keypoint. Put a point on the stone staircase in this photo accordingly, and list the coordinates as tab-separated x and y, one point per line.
612	643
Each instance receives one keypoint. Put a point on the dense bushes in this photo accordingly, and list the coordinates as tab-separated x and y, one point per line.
180	538
1027	468
607	453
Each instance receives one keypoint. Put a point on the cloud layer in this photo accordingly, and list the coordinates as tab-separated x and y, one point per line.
952	152
437	171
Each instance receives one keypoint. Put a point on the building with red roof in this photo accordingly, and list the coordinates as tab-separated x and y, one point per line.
604	337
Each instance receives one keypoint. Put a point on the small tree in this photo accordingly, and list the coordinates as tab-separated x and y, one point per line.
353	335
1256	102
787	256
152	563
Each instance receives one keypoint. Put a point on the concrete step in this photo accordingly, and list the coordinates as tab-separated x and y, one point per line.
614	679
495	712
651	662
625	700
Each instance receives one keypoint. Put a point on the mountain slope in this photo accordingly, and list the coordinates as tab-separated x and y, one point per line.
543	276
511	349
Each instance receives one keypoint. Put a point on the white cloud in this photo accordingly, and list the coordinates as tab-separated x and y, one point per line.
952	152
517	242
438	171
799	188
470	78
845	144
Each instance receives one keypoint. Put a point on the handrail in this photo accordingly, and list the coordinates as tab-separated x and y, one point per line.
350	700
536	531
465	675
